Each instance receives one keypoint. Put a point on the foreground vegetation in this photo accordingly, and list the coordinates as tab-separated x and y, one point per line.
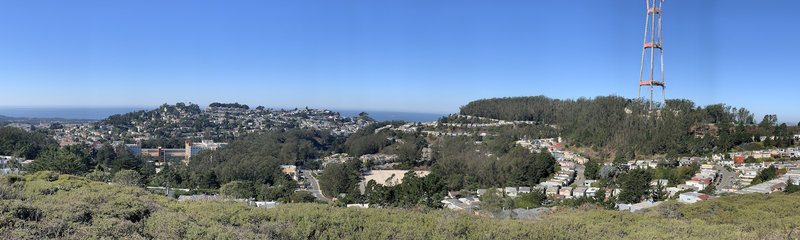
47	205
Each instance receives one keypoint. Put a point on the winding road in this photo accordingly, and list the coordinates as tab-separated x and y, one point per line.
315	190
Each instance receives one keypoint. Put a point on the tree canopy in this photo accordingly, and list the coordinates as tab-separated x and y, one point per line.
615	125
464	164
21	143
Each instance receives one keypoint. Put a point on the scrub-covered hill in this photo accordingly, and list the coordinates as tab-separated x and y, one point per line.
46	205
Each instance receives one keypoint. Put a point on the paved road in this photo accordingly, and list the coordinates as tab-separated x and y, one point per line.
726	178
579	177
314	186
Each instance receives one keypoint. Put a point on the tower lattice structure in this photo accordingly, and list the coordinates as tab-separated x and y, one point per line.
652	42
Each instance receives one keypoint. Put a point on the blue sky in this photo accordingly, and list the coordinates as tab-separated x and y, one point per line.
416	56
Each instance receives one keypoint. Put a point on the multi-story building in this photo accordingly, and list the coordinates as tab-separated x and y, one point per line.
193	148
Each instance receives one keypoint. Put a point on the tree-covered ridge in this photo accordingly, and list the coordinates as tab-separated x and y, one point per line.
618	126
229	105
255	159
466	164
553	111
21	143
48	206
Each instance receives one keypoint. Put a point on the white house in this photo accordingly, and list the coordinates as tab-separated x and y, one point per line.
692	197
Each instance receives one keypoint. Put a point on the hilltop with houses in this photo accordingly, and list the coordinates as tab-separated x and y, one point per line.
216	122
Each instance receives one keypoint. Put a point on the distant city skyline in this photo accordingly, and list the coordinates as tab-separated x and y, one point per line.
410	56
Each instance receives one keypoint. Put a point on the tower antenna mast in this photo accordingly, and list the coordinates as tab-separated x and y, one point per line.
652	42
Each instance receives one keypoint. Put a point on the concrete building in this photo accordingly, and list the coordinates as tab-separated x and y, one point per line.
135	148
192	148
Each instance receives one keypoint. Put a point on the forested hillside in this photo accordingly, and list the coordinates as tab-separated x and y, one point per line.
465	164
49	206
21	143
252	163
618	126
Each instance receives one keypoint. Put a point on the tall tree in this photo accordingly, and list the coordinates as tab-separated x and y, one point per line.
237	190
105	155
635	185
21	143
127	178
592	170
73	159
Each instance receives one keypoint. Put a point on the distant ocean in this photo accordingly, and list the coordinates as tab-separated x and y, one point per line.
92	113
97	113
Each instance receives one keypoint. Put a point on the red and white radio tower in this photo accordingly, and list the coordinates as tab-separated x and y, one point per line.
652	41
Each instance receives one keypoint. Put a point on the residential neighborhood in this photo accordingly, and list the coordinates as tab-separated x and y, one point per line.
188	121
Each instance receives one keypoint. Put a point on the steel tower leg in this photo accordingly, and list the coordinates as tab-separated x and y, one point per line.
638	95
654	30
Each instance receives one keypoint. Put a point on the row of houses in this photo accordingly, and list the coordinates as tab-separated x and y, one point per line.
408	127
379	158
739	157
775	185
635	164
464	203
451	134
746	172
702	179
564	177
552	191
555	148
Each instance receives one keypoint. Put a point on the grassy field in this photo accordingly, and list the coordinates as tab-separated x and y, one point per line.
46	205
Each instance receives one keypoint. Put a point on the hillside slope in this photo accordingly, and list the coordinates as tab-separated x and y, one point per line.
620	126
45	205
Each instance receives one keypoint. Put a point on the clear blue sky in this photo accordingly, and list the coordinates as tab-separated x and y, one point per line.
417	56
